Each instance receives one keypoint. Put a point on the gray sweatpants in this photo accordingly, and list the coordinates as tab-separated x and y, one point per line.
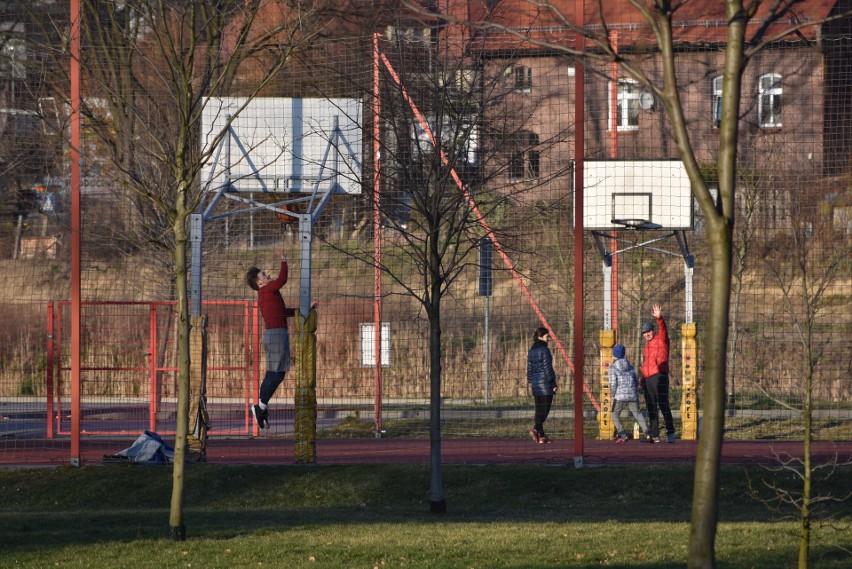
277	344
633	407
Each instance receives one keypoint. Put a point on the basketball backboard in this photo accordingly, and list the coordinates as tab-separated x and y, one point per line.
637	194
279	144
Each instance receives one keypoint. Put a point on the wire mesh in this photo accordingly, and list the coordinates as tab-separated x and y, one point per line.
464	134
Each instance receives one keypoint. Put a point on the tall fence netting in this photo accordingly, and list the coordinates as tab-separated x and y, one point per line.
462	191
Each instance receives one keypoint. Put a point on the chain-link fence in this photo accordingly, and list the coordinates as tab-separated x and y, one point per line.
444	213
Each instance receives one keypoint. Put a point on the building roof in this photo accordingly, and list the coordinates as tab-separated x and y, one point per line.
694	21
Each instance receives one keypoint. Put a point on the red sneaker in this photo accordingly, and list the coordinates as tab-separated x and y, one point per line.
534	436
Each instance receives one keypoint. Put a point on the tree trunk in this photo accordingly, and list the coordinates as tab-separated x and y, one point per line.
807	467
705	503
720	227
437	503
177	527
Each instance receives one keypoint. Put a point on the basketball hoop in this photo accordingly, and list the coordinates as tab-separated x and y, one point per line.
635	224
637	194
283	217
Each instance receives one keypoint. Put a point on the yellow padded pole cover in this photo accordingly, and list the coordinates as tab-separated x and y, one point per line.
607	430
689	399
199	420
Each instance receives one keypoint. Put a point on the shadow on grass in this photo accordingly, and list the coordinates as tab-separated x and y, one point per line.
123	503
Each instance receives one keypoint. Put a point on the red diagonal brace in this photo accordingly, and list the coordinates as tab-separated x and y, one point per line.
506	260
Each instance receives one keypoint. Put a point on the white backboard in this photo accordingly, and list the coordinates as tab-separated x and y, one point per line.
656	191
286	140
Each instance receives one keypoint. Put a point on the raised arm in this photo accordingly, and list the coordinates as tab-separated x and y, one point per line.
663	332
281	280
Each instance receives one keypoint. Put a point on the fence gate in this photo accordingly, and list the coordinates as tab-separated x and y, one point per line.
129	368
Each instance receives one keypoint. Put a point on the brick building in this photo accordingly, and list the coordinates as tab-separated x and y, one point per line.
796	109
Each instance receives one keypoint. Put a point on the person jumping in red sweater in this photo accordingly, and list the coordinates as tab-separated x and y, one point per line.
276	338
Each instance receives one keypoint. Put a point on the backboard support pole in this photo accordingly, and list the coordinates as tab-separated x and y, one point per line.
688	269
315	206
306	233
602	237
196	238
305	401
601	246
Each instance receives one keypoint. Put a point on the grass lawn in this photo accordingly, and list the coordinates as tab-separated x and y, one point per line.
378	516
738	428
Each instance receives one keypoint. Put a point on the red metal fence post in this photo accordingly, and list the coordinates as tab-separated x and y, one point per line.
255	359
248	364
49	379
377	241
76	316
152	362
579	150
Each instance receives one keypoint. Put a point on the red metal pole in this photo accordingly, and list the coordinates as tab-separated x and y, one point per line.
255	341
579	150
613	149
58	344
49	386
76	391
248	366
613	99
152	374
377	238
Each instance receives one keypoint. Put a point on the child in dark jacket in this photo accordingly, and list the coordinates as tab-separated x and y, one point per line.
542	380
623	387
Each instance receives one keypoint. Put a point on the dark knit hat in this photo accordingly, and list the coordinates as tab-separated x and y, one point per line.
618	351
647	327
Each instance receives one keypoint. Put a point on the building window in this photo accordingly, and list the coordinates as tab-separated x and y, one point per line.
523	79
525	160
462	81
716	101
769	100
409	35
626	105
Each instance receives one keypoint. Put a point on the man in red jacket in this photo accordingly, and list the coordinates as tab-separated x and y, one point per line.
276	339
655	375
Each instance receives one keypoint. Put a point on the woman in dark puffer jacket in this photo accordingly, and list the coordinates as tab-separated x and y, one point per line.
542	380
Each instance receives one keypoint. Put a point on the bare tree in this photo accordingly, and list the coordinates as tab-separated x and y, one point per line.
805	269
739	49
450	146
151	67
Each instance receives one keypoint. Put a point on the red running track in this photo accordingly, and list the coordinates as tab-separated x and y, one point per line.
272	450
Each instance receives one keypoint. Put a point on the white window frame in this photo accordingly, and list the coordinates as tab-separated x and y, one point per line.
522	78
769	94
526	157
624	102
463	80
716	100
408	35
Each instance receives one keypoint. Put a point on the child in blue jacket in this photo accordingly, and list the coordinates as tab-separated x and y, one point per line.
623	388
